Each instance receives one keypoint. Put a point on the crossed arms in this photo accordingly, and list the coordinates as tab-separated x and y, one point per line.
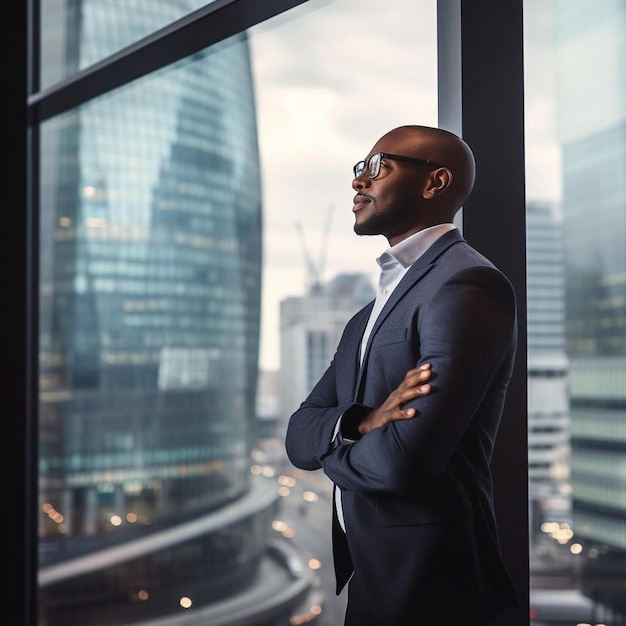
463	349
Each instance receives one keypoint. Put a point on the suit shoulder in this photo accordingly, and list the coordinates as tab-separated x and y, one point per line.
463	259
467	271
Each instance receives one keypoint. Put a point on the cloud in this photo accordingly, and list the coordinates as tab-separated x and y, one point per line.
330	78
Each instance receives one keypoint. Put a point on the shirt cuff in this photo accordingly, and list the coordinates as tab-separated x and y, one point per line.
347	426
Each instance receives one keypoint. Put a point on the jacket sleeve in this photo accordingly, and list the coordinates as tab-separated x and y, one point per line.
467	332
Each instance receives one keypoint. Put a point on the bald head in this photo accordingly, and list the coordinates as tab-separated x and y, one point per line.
443	147
413	178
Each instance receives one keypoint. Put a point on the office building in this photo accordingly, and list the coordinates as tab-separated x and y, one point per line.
310	329
548	395
149	331
591	45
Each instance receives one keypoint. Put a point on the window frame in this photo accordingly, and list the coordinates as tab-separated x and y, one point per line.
480	97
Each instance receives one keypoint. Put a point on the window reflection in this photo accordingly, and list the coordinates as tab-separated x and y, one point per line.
150	281
75	34
164	489
578	559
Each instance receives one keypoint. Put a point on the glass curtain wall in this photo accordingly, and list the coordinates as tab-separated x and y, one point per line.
177	213
149	332
78	33
576	214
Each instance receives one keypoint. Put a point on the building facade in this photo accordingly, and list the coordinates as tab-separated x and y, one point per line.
150	266
591	42
310	329
548	393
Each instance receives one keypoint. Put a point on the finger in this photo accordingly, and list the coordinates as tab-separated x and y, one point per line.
408	388
425	367
415	375
413	392
404	414
415	379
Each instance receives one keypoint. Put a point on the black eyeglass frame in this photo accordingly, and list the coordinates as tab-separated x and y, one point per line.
363	165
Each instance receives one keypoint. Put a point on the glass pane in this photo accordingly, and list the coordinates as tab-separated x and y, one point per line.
330	80
75	34
575	137
150	280
165	207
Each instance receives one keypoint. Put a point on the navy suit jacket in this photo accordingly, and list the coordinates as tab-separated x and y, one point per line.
417	494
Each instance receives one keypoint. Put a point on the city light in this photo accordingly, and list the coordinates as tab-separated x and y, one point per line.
185	602
52	513
561	532
314	611
286	481
283	528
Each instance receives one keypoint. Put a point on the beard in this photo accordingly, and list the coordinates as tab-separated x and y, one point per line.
381	223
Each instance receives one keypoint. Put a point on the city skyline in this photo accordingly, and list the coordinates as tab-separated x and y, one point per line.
179	215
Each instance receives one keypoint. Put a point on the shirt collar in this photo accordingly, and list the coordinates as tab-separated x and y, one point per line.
410	249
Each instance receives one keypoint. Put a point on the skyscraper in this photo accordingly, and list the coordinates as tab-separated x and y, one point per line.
149	332
548	399
591	48
310	329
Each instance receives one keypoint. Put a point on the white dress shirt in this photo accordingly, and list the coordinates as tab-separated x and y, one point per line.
394	264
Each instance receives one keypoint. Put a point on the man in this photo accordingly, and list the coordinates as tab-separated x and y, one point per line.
404	419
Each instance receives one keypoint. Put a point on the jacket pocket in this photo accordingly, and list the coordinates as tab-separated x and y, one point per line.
389	335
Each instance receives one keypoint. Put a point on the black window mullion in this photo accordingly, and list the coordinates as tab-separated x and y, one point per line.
480	84
192	33
15	469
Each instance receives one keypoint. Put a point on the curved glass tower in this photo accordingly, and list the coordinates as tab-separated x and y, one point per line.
150	275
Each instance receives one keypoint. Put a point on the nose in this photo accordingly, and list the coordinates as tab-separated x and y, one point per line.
361	182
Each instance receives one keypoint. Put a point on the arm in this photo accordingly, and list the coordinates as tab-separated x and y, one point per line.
311	429
393	408
467	334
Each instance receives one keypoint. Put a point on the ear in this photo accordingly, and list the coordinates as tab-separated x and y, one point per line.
437	182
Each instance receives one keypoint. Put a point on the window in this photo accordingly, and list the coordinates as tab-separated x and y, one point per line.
573	135
166	204
475	60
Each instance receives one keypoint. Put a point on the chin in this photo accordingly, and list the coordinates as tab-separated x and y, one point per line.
368	227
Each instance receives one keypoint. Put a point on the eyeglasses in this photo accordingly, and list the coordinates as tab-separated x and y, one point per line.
371	165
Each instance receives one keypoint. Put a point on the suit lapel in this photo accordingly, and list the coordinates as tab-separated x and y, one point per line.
355	344
416	272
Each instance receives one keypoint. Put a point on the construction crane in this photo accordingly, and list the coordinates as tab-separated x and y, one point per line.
315	271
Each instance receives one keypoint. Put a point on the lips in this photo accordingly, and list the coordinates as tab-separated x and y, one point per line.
360	200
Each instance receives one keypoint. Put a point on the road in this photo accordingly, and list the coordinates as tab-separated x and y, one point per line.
307	511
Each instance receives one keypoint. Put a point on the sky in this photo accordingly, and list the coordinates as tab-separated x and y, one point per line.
331	77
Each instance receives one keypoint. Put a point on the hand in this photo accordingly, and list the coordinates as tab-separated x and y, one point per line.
413	386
